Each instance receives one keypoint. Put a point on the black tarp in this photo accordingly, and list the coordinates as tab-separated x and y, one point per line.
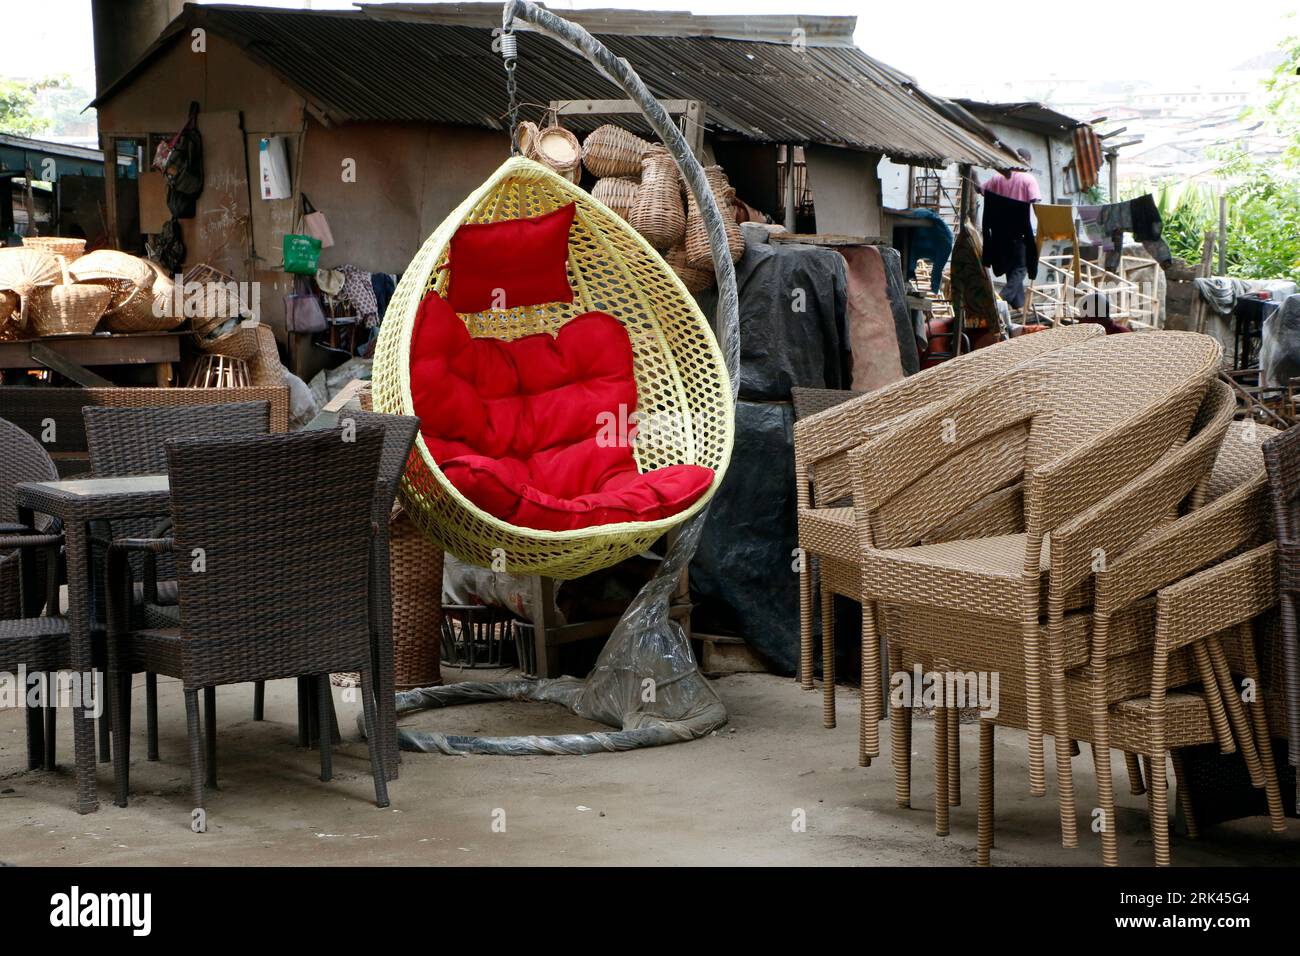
743	578
792	326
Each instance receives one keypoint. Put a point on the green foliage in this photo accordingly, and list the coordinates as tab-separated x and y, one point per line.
18	107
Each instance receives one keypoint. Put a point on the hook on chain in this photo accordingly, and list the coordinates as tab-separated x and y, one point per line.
510	58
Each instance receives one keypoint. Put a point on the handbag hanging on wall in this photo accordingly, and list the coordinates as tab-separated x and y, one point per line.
302	309
314	223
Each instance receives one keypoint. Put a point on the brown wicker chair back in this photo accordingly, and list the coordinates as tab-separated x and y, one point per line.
1282	459
274	538
21	459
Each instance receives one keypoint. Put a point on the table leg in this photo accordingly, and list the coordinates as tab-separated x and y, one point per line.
77	544
27	596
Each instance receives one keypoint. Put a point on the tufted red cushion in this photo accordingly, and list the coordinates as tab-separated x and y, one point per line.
515	426
511	263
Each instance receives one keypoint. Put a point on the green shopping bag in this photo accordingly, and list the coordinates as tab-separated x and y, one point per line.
301	254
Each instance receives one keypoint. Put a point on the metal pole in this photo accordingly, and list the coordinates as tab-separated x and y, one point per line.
789	187
1223	233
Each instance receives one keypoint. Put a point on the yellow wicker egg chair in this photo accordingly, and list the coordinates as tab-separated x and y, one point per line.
684	392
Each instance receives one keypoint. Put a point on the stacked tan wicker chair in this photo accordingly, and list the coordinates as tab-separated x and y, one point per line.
1069	427
827	532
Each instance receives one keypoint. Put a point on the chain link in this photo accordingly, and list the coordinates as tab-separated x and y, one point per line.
510	53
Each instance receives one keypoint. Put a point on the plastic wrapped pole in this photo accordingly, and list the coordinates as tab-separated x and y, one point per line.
646	682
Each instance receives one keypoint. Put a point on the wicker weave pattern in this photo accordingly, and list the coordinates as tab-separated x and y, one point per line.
680	375
618	193
613	151
1282	457
657	212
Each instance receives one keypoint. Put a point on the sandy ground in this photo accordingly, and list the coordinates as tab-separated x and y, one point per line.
727	799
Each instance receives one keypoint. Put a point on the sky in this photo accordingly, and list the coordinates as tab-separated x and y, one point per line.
950	46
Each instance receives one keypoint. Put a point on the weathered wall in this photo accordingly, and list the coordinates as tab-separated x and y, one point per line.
845	189
408	176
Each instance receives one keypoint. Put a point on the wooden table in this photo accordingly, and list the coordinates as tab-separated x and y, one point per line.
77	502
69	355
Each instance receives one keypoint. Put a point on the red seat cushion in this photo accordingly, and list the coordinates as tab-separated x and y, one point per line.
517	426
511	263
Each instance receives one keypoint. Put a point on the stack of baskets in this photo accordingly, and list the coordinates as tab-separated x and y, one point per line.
640	182
66	309
23	274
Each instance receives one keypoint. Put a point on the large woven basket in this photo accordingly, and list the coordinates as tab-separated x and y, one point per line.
697	236
119	272
679	371
66	309
70	249
25	270
613	151
658	213
618	193
415	572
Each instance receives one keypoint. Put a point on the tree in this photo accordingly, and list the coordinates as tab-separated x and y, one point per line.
18	108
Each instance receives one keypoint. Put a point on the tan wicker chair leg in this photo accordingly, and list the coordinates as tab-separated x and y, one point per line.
984	824
1106	800
1213	699
1159	803
940	771
869	711
1241	728
871	708
954	757
1101	741
900	738
1184	796
1032	584
1263	736
1061	722
828	658
805	625
1136	786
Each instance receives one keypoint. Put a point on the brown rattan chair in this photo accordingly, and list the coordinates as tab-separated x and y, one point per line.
399	438
129	440
1040	425
823	483
277	537
22	458
1282	458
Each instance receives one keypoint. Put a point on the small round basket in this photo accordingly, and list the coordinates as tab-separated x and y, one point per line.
70	249
613	151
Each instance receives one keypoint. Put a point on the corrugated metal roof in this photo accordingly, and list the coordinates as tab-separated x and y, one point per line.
435	64
1026	115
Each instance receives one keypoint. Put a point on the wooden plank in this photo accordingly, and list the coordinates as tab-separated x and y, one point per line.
615	107
53	360
146	349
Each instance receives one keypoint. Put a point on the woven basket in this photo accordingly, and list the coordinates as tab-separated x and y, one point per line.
145	310
658	213
415	570
24	271
554	147
695	280
697	237
70	249
613	151
239	342
67	309
121	273
678	369
618	193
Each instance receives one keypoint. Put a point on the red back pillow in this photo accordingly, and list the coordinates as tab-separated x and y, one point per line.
512	263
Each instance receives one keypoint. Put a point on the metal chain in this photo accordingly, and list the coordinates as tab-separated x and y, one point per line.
510	54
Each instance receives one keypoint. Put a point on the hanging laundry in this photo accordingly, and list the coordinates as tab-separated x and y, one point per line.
1140	217
932	241
384	284
1010	247
359	291
1056	223
970	281
1087	156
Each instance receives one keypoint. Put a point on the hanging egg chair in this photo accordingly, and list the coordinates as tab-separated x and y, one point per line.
683	395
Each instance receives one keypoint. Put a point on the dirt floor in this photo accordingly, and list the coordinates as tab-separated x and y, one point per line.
731	798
